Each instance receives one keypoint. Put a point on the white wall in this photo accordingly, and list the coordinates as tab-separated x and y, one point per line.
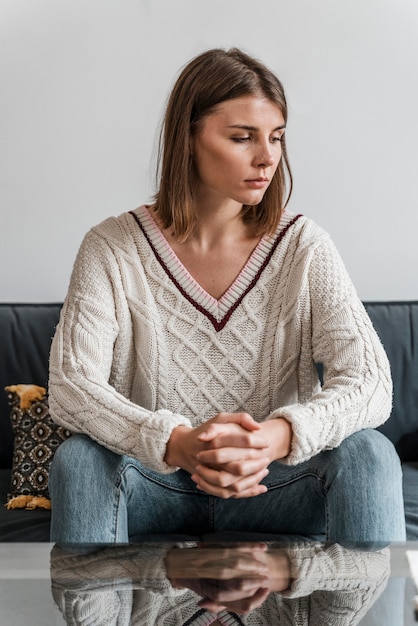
82	89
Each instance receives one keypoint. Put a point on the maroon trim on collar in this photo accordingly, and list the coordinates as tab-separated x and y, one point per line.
217	325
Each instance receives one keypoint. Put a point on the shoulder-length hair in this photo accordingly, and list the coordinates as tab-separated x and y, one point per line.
211	78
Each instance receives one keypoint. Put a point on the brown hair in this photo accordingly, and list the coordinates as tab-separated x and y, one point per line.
207	80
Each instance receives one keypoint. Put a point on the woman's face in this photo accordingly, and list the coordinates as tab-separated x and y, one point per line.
236	151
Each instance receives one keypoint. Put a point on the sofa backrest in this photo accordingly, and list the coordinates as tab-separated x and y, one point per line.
396	323
26	331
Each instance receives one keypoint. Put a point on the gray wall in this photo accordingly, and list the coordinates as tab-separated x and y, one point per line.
83	84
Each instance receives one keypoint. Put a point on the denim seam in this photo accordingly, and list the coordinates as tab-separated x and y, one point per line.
116	506
326	519
211	506
295	479
162	483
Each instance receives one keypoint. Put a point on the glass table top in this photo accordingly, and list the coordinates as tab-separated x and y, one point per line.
197	584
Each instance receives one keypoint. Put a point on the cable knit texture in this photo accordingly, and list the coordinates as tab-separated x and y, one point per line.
141	348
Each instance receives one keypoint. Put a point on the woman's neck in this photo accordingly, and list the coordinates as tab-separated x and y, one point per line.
218	249
216	226
220	230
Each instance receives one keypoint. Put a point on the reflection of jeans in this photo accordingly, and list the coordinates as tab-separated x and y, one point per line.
350	494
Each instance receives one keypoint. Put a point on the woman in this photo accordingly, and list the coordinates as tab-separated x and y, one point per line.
185	353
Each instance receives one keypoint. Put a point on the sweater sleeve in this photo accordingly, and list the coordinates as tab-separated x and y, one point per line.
331	567
81	360
357	386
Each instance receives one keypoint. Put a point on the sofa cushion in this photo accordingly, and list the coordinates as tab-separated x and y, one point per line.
410	492
20	525
26	335
36	439
396	323
407	447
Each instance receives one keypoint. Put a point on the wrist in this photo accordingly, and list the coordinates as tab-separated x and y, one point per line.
280	433
279	571
173	453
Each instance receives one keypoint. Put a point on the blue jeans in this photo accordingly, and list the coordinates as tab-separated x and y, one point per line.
349	495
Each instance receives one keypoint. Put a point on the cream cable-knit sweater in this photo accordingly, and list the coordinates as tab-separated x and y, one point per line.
141	348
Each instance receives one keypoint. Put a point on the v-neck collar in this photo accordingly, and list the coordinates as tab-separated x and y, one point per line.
217	311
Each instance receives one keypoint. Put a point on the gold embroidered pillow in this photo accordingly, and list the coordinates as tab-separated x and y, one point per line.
36	439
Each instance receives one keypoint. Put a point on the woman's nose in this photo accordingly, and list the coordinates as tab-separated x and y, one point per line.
264	157
265	160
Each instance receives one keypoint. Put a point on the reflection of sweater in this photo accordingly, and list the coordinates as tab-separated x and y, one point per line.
141	348
127	585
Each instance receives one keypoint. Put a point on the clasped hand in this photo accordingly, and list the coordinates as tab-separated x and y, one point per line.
228	456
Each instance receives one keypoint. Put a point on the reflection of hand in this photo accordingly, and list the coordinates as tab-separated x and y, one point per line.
238	595
237	578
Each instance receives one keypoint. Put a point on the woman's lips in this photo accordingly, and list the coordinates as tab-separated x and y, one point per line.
257	183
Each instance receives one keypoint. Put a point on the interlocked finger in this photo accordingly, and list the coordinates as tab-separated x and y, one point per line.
246	487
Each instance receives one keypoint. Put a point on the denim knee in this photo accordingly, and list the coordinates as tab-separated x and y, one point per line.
363	482
75	461
371	450
72	452
85	499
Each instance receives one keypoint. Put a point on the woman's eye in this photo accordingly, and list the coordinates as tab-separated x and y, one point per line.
241	139
275	139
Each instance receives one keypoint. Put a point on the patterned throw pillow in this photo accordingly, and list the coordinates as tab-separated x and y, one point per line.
36	439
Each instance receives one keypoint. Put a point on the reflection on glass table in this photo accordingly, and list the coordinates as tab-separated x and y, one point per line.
193	584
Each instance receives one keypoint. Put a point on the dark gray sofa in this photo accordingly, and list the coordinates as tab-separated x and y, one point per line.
26	331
